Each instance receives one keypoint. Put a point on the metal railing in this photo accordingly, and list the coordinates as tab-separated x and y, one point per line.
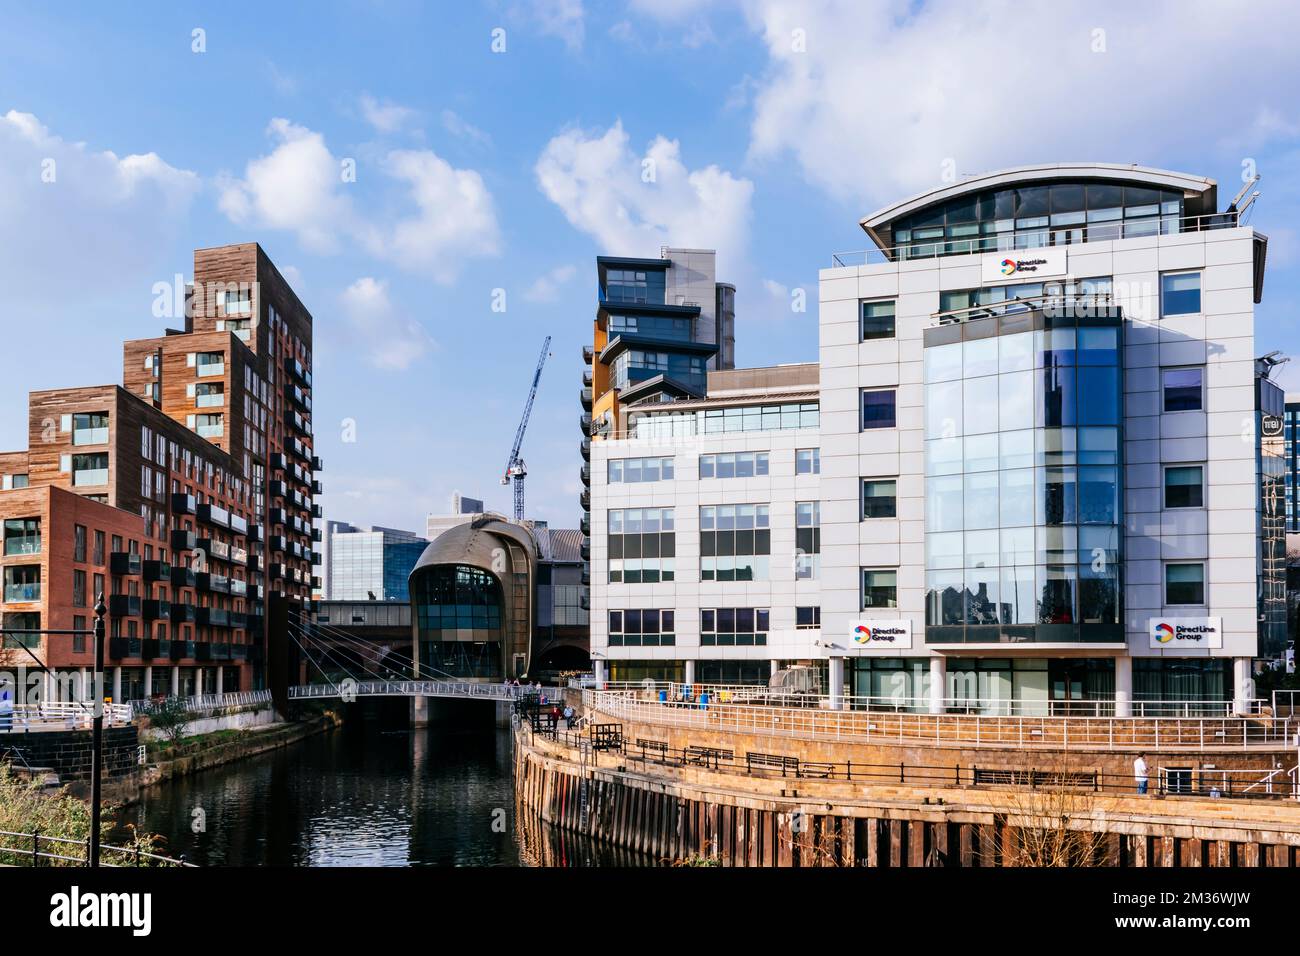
202	703
1067	733
59	715
1169	781
679	692
408	688
1052	303
59	848
1006	241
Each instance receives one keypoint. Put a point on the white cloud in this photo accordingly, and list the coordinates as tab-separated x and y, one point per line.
298	187
386	117
547	287
563	19
631	205
886	92
77	220
391	341
455	217
445	216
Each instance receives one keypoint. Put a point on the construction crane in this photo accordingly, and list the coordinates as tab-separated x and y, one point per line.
515	465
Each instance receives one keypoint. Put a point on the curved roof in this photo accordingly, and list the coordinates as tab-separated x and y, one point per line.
877	225
472	543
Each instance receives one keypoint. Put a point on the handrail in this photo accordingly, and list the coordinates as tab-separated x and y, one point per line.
1005	241
409	688
133	853
203	702
750	763
1022	732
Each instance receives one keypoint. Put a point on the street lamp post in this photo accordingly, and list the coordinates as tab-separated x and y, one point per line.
97	730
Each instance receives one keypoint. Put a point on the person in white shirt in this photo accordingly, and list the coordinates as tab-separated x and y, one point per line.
1140	773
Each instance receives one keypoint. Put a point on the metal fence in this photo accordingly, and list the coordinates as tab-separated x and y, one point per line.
59	715
201	704
1081	733
36	849
407	688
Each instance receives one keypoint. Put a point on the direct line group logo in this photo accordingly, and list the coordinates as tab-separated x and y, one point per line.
1164	633
862	634
1008	267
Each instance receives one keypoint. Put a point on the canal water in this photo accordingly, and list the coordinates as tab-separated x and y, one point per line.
364	794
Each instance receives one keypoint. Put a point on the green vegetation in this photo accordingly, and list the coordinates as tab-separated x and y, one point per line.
25	807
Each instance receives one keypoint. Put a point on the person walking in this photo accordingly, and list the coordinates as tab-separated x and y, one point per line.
1140	776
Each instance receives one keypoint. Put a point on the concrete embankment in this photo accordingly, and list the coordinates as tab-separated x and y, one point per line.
678	813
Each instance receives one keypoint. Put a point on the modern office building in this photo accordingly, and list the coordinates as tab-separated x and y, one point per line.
185	496
1036	468
493	598
370	564
661	325
461	511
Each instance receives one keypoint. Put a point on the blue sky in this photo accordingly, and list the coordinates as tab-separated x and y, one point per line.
772	127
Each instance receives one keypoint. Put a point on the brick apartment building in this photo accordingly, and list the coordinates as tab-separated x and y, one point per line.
185	496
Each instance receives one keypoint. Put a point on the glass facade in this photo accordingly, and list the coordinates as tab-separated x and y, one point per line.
459	613
743	418
372	565
1023	515
1037	215
637	365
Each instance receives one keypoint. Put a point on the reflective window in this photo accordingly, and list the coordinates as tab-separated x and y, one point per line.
1184	486
878	409
1184	584
879	497
735	542
642	546
877	320
636	470
741	464
1180	293
734	626
642	627
807	461
879	589
1183	389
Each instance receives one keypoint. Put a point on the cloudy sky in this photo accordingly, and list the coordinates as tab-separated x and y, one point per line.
402	162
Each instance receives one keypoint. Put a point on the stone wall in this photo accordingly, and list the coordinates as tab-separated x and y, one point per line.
67	752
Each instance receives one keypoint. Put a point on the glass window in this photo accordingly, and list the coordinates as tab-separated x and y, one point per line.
1184	486
1183	389
1184	584
807	618
878	409
1180	293
879	589
877	320
879	497
807	461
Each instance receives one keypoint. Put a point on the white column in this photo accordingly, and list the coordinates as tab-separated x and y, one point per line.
87	677
1243	685
776	666
198	681
176	680
837	683
599	669
938	682
117	684
221	675
1124	686
690	672
148	681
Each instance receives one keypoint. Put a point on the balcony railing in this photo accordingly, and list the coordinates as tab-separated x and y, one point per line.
23	593
89	477
1156	227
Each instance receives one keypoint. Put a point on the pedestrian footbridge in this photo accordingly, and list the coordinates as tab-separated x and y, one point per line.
349	689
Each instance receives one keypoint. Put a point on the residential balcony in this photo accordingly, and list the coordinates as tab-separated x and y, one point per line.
202	651
183	504
316	535
279	461
276	572
584	601
276	543
238	588
220	651
586	377
183	577
588	353
317	558
213	515
278	489
584	473
276	516
586	574
123	647
124	605
238	620
317	464
585	549
298	371
584	396
152	647
316	487
157	571
154	610
182	650
29	593
254	532
214	617
215	549
213	583
184	613
315	583
254	562
584	523
238	524
317	511
125	562
182	540
238	555
585	500
584	422
585	448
